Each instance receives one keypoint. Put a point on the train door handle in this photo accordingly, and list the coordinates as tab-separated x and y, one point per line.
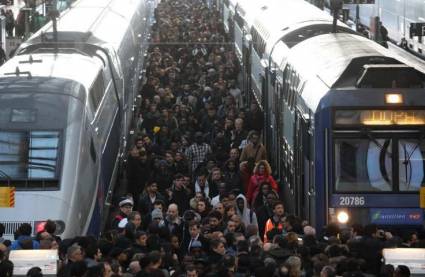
291	189
108	199
311	192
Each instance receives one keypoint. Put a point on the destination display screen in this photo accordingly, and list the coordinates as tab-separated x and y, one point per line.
379	117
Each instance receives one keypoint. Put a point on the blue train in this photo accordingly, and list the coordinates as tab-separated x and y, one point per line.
345	118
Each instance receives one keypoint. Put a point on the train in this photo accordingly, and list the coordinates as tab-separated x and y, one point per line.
396	16
67	100
344	117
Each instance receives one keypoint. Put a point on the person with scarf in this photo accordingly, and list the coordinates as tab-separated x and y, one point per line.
262	173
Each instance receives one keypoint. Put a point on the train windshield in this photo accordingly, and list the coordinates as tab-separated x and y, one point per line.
379	164
29	156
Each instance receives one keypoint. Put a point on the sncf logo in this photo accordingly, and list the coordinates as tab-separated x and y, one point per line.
415	216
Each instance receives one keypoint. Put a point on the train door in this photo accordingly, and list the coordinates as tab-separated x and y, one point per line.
287	142
277	131
270	88
246	69
119	86
93	164
95	134
303	166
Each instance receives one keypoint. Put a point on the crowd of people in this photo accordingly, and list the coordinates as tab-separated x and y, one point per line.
201	198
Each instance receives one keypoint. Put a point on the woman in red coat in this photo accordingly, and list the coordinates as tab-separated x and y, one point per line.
262	173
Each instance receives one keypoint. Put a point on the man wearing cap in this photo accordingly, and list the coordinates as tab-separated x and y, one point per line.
126	207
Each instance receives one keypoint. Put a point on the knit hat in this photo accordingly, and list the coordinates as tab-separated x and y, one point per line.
157	214
126	201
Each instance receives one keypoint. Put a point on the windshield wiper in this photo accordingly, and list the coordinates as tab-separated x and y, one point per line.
383	152
407	159
376	142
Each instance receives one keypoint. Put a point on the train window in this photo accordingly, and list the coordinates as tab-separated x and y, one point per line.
390	76
23	115
286	84
29	155
96	91
363	165
239	20
301	34
258	44
288	125
411	164
92	151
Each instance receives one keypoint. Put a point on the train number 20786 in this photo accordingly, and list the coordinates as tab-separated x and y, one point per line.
351	201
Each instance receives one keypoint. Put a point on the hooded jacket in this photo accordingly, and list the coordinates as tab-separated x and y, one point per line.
248	216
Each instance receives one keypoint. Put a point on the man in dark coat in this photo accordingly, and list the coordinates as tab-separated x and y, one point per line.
371	248
179	193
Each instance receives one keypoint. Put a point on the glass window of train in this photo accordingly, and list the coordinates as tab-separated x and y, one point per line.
92	151
286	83
387	76
239	20
362	164
299	35
29	156
288	126
115	61
293	89
411	158
306	138
105	60
97	91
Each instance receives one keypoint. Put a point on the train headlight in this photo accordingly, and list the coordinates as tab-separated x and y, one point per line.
342	217
394	98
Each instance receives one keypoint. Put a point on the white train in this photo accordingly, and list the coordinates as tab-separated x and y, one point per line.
66	103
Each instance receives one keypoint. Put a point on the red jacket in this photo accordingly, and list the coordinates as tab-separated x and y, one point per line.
254	186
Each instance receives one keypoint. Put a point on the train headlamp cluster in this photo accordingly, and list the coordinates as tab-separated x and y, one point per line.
342	217
394	98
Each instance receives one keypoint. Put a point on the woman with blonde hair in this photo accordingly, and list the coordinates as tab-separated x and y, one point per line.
262	173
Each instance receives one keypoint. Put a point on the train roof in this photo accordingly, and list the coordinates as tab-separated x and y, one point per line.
56	68
91	21
346	61
249	9
278	15
294	20
328	56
